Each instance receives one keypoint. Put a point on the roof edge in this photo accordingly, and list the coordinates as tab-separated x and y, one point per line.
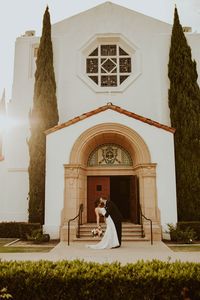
109	105
96	6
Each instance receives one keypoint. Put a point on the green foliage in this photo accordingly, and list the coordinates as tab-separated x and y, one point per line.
86	281
38	237
184	104
17	229
4	294
43	116
194	225
186	235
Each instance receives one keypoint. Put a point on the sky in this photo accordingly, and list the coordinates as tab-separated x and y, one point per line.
16	17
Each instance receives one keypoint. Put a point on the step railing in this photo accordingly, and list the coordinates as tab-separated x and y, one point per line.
150	222
79	217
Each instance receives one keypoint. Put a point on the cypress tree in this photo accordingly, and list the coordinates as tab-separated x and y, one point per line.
184	104
44	115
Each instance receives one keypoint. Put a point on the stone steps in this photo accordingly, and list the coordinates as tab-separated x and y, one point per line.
96	239
130	232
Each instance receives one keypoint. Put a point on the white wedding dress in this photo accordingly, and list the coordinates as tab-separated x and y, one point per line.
110	238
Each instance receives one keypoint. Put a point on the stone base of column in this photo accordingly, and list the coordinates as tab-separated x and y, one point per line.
64	232
156	231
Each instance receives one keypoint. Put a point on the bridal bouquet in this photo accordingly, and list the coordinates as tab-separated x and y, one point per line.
97	231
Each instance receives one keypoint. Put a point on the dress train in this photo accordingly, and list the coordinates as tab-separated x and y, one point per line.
110	238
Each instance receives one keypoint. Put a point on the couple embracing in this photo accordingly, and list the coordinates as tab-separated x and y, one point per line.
113	218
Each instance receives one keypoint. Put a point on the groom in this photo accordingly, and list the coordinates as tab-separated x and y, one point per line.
113	211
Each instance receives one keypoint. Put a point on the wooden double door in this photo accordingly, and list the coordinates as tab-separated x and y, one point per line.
122	190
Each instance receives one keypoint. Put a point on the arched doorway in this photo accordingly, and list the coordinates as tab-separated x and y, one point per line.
142	171
122	189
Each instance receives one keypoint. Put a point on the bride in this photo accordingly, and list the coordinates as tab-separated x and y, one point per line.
110	238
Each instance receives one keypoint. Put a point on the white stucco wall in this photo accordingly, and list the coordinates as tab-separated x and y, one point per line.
14	186
13	193
106	20
60	143
150	36
147	96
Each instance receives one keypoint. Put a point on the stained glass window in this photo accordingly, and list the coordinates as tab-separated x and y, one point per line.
108	65
108	50
92	65
110	155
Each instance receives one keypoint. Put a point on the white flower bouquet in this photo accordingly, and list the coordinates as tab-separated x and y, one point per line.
97	231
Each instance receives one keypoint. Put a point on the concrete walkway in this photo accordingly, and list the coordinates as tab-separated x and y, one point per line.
129	252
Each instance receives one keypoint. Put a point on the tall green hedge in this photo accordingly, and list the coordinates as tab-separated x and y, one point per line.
43	116
17	229
78	280
184	104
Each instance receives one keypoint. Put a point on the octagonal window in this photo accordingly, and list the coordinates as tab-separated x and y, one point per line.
108	65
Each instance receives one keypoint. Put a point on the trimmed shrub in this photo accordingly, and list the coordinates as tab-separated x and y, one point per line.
193	225
17	229
186	235
153	280
38	237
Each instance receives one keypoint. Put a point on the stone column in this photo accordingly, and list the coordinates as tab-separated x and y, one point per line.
148	198
74	195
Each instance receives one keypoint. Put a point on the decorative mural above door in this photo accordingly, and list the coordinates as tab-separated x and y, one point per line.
110	155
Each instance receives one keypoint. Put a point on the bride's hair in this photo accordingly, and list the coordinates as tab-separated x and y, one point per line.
98	203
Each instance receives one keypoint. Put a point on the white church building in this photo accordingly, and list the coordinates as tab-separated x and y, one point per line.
114	137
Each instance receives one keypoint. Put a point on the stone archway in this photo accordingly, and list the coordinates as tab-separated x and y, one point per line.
76	171
126	137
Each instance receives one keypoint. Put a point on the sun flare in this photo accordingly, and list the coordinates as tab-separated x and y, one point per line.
7	123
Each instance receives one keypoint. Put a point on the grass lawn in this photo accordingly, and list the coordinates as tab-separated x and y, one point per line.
185	248
23	247
5	241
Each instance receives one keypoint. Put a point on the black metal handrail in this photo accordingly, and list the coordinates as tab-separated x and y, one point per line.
79	216
141	221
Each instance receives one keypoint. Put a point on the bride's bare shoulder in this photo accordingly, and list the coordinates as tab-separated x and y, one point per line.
97	209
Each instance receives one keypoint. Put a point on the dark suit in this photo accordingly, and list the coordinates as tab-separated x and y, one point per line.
113	211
